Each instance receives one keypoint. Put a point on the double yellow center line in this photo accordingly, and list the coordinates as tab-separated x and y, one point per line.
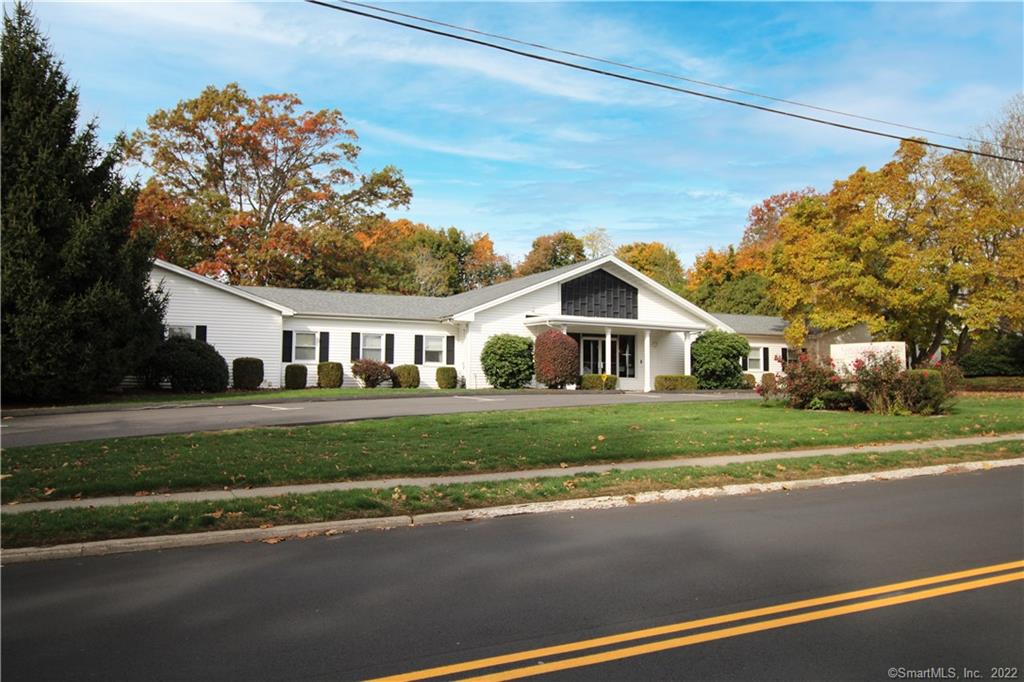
534	655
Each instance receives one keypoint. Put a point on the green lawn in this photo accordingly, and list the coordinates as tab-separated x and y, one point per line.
464	443
161	518
1009	384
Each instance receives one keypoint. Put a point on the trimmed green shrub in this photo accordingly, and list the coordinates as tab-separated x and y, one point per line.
768	388
675	382
838	400
716	359
405	376
749	381
373	373
598	382
330	375
447	377
556	357
246	373
507	361
1008	384
190	366
295	377
921	391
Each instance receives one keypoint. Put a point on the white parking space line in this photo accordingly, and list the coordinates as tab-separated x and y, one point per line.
478	399
275	407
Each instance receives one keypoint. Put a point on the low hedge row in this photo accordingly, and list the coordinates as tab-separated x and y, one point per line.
675	382
598	382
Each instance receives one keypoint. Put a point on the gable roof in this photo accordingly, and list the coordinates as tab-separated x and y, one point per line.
754	324
227	288
350	304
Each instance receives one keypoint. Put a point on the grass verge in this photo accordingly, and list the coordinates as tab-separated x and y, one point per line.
464	443
43	528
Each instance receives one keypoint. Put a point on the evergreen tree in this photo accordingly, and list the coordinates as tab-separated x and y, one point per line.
77	310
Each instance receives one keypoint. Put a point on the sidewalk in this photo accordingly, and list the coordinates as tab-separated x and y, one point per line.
716	460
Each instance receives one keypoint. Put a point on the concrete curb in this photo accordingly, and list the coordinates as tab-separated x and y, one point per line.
549	472
105	547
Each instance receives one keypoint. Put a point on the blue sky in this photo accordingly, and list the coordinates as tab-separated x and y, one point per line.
493	143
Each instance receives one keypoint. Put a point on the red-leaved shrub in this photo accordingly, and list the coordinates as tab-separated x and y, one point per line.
372	372
556	359
806	379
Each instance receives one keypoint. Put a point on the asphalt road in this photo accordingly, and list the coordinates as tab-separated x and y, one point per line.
61	428
376	603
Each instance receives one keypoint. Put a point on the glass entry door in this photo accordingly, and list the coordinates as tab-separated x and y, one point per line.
592	360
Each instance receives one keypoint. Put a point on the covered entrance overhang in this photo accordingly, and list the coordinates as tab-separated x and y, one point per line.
616	346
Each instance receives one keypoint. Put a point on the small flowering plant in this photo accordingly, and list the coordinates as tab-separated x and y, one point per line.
807	378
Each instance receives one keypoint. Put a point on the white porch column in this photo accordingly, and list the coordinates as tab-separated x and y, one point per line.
647	361
686	353
607	351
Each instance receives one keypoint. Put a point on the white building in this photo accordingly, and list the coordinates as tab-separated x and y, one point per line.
626	323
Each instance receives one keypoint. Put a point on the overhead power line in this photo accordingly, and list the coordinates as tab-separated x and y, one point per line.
664	74
663	86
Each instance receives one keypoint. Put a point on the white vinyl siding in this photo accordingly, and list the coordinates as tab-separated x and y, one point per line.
235	326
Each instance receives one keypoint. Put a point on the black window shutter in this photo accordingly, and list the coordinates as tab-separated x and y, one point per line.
389	348
743	361
325	346
201	332
417	352
449	351
355	347
286	346
764	359
785	355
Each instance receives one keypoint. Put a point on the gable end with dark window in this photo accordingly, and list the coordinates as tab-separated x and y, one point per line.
599	294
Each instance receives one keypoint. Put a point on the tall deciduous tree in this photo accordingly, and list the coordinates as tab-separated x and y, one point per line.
253	180
918	249
655	260
597	243
77	308
552	251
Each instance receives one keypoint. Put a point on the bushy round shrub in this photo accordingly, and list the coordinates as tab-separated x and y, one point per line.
675	382
295	377
405	376
556	358
246	373
190	366
447	377
921	391
330	375
716	359
877	377
373	373
749	381
805	380
507	361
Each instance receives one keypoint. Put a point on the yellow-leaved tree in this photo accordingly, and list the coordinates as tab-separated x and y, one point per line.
921	250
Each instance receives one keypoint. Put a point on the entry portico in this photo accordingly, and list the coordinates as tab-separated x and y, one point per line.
622	348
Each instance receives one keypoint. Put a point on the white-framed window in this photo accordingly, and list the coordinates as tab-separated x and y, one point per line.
373	347
305	346
754	359
433	349
188	332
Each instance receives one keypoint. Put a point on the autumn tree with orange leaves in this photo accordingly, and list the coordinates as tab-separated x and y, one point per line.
250	189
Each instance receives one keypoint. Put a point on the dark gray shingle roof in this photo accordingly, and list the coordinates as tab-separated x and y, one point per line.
396	306
753	324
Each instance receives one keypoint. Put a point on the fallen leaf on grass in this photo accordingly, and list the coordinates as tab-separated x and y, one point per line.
48	491
563	465
215	514
600	438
